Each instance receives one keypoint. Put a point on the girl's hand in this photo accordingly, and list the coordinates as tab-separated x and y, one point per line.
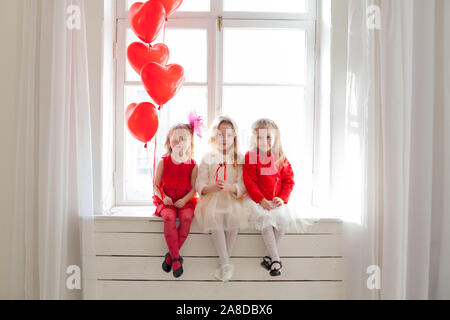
278	201
168	201
266	204
213	187
225	186
180	203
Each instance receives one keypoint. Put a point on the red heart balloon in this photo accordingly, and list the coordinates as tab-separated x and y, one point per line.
170	5
140	54
142	121
147	19
162	82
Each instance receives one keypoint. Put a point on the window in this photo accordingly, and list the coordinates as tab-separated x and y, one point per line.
247	59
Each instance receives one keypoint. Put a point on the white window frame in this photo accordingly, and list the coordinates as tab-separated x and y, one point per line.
215	83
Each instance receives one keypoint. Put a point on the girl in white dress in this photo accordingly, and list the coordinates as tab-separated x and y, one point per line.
222	209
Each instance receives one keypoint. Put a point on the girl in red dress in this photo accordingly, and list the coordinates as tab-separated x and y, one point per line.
174	192
269	180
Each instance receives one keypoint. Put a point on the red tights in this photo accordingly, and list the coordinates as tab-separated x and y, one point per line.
176	237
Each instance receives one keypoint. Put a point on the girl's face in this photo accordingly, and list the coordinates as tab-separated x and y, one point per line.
225	137
180	141
265	139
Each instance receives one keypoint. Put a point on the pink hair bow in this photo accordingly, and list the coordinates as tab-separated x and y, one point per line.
196	123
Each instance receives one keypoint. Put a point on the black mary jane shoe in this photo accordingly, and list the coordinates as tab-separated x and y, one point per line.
178	272
275	272
266	263
165	266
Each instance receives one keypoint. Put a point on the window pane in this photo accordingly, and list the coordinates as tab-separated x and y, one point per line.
272	56
187	48
285	6
187	5
286	106
138	160
247	104
195	5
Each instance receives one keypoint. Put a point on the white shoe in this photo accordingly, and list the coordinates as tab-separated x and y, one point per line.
227	272
218	274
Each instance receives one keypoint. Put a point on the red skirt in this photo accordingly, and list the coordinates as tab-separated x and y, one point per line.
160	204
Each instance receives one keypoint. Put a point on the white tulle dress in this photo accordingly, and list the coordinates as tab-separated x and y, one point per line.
221	210
282	218
279	183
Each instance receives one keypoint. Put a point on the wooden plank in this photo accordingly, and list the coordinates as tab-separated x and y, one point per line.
200	290
156	225
149	268
200	245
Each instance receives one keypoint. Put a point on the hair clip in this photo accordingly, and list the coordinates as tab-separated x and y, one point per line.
196	123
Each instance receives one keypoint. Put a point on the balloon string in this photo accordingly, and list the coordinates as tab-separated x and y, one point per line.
154	160
154	152
164	32
147	158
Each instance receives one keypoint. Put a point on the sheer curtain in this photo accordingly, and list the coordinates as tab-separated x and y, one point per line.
54	203
397	120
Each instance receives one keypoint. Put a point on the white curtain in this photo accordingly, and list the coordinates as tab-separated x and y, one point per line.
54	203
398	123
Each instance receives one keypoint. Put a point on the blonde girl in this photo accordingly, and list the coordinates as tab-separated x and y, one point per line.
269	180
220	209
174	192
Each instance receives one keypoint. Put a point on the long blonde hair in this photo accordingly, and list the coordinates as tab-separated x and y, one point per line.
183	126
277	149
215	127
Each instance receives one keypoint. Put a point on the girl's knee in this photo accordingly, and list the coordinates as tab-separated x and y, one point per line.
186	216
169	219
267	230
186	219
168	215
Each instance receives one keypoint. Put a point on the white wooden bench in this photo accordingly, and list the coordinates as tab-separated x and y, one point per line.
130	250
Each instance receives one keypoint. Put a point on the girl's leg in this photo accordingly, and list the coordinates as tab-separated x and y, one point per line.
279	233
271	243
220	243
185	216
231	236
169	216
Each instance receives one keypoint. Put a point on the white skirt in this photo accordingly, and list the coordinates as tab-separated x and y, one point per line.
222	211
282	218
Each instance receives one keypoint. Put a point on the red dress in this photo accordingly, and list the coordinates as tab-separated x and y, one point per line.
264	179
176	183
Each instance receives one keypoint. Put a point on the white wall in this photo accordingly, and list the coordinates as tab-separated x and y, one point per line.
9	66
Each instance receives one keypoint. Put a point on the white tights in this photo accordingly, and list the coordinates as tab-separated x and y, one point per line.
272	238
224	242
